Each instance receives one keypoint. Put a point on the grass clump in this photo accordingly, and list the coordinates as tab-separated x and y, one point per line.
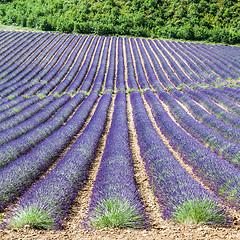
11	97
200	211
34	217
116	212
41	96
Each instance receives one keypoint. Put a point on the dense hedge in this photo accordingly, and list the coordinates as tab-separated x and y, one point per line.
213	20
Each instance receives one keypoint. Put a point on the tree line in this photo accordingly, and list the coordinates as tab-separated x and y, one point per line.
213	20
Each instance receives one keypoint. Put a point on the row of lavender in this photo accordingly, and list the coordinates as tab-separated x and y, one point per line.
27	69
37	142
30	135
214	171
228	104
154	66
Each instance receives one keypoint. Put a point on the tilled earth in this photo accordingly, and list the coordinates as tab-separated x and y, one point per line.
167	231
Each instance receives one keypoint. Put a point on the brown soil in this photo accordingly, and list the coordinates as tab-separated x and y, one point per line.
152	208
165	231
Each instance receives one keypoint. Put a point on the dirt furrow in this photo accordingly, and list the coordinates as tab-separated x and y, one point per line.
79	210
91	61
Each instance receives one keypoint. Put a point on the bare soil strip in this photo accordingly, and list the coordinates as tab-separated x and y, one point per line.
84	57
167	61
79	51
195	63
152	207
80	208
40	46
99	63
166	75
91	61
176	61
107	65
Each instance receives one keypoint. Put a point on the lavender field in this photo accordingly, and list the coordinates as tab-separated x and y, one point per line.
60	93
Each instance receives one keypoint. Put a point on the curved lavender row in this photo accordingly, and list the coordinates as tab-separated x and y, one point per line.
174	80
17	108
199	130
10	103
111	68
97	86
220	145
14	44
201	70
130	70
4	34
84	68
230	105
234	65
177	70
7	37
57	74
115	178
20	146
12	40
4	100
46	79
175	58
120	84
26	113
20	174
205	135
45	56
21	48
225	66
31	38
93	68
26	52
33	122
60	58
208	61
74	70
86	71
171	183
143	84
33	63
151	77
8	42
207	119
205	62
226	92
219	175
57	191
232	90
224	50
213	108
16	68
